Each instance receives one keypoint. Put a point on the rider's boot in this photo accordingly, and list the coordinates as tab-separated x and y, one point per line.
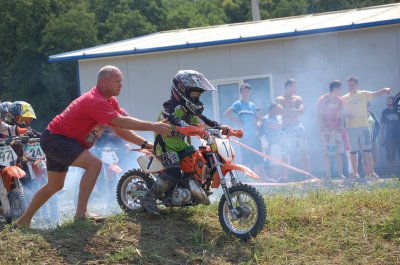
155	192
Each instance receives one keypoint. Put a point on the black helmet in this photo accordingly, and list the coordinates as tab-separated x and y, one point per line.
184	83
19	113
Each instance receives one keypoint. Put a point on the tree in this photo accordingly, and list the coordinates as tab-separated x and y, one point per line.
126	25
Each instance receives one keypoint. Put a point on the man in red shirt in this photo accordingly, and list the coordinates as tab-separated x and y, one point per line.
70	134
330	115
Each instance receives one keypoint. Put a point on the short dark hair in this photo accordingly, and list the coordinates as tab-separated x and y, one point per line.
244	86
334	84
352	79
289	82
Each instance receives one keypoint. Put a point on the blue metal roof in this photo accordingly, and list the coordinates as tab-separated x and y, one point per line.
242	32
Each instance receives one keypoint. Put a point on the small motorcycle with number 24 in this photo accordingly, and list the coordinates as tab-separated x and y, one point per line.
242	211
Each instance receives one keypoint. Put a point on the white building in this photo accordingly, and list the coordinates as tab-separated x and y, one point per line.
313	49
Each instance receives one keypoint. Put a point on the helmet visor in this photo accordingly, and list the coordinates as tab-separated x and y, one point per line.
23	121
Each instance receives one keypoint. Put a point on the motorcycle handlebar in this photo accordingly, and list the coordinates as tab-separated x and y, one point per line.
236	133
19	140
192	130
34	140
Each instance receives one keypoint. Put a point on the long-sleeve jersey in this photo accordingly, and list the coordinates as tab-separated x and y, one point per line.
8	130
174	113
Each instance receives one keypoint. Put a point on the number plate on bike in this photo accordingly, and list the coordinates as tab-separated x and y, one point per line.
7	156
224	149
150	163
33	151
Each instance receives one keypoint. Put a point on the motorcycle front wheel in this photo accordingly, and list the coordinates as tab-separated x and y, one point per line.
18	203
131	188
251	212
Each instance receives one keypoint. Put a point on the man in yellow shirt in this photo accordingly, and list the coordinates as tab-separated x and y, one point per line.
355	104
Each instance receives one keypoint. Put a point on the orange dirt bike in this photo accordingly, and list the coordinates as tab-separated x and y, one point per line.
110	170
242	211
12	194
33	161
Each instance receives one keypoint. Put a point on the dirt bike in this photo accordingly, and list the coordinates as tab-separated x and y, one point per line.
12	192
110	170
33	160
242	211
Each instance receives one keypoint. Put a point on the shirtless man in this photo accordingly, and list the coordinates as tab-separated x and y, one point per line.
293	134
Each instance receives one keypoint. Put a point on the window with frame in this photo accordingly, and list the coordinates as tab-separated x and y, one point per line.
217	102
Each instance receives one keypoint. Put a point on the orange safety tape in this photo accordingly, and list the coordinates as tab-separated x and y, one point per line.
275	160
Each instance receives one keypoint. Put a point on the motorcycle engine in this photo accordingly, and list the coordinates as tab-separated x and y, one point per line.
180	196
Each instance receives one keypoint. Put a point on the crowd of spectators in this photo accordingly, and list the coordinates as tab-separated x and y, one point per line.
351	134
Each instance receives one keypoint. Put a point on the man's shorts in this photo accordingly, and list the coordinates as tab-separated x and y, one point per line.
293	139
332	142
392	145
60	151
360	136
249	158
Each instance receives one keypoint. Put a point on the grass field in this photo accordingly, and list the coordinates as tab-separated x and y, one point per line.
355	226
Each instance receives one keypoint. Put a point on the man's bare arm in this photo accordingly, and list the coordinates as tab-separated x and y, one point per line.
132	137
131	123
299	109
229	114
381	92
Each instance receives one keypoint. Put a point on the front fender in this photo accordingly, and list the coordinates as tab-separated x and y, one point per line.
229	167
111	170
114	168
10	172
13	171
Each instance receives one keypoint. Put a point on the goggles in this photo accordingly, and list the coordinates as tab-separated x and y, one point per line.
195	96
20	120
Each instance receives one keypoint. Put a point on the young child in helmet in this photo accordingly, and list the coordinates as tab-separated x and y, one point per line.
15	117
182	109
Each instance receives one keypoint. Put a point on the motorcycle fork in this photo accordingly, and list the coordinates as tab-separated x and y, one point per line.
31	172
234	179
231	207
18	185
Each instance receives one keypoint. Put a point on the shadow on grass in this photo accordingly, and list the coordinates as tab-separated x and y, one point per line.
179	236
71	241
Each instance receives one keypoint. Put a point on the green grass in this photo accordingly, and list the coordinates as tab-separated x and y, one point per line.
357	226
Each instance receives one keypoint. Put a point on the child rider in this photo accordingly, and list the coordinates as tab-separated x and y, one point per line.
182	109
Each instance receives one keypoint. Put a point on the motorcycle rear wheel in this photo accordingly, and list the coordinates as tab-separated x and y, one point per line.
132	181
252	212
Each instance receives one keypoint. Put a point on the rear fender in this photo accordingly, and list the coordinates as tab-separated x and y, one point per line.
10	172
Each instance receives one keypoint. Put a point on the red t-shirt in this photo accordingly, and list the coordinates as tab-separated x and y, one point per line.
329	109
85	118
